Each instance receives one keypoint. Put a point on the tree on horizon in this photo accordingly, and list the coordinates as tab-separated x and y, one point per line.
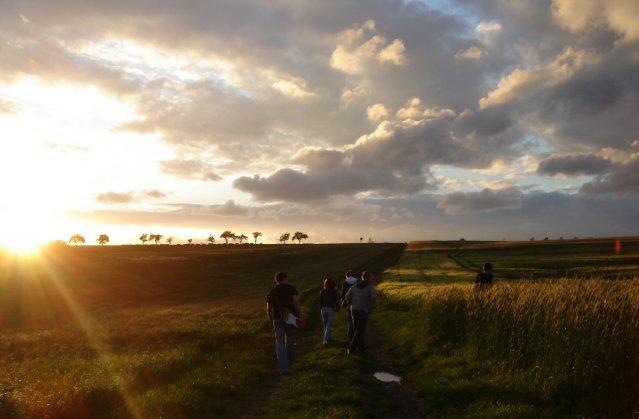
144	238
211	239
299	236
155	237
256	234
284	237
102	239
190	241
226	235
77	239
169	240
242	237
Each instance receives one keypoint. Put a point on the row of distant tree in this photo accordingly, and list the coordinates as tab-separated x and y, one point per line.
226	236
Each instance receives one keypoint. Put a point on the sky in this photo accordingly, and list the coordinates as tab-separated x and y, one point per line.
391	120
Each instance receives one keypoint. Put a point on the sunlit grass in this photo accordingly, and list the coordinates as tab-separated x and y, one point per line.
548	347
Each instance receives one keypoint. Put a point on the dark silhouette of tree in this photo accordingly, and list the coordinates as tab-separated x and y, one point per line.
155	237
284	237
256	234
211	239
228	234
299	236
77	239
102	239
169	240
242	237
532	239
462	239
545	238
190	241
144	238
361	239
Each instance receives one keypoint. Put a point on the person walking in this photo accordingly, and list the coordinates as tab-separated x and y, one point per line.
348	283
361	299
485	278
284	310
329	303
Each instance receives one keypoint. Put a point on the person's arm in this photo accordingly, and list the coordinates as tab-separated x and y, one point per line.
319	300
269	312
349	296
298	306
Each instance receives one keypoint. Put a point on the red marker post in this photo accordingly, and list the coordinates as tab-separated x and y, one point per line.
617	246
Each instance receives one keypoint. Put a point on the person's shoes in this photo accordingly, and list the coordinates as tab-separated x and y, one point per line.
325	344
350	351
285	373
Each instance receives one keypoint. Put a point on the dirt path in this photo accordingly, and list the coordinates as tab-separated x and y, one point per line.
259	404
390	400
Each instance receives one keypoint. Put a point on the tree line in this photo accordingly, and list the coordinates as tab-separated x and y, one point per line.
226	236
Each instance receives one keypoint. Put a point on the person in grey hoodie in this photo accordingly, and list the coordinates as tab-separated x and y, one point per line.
348	283
361	299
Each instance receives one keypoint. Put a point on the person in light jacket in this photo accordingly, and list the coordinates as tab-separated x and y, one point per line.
361	299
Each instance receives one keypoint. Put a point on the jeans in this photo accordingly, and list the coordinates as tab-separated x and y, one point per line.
284	344
359	322
351	328
328	314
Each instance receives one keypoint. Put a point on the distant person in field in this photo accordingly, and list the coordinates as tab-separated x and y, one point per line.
329	303
361	299
285	312
484	279
348	283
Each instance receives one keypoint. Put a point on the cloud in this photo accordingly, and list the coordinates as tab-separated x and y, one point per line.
574	165
486	200
227	209
393	159
153	193
377	112
189	169
115	197
362	45
293	88
65	148
470	53
521	81
580	15
623	179
8	107
128	197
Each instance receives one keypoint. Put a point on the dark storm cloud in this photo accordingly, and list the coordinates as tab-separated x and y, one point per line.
574	165
623	179
486	200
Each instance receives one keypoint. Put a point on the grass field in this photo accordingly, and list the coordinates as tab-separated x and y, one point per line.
535	345
180	331
147	331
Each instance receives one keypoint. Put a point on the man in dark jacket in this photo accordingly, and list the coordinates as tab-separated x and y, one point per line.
348	283
284	310
485	279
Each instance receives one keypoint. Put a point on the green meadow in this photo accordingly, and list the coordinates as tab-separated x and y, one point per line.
149	331
180	331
